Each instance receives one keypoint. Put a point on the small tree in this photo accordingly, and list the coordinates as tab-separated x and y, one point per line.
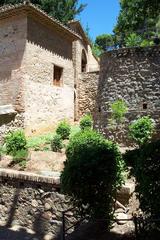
63	129
105	42
92	174
56	143
141	130
15	141
118	110
86	122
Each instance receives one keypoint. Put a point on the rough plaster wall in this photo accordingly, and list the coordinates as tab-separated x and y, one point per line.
12	47
93	64
77	59
132	75
44	103
87	92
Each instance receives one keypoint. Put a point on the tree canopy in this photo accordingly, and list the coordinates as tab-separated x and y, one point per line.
138	24
63	10
137	16
105	41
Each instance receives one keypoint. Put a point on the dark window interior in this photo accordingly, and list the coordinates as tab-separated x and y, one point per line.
58	71
145	106
84	62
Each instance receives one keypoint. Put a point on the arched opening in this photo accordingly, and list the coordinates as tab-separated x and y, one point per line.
84	62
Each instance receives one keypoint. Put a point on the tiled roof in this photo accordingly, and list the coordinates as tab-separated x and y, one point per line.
26	5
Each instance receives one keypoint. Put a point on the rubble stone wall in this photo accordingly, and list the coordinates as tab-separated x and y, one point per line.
133	75
32	203
87	92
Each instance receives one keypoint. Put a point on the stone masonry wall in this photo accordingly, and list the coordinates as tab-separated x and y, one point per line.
87	92
31	201
12	47
45	104
10	123
134	76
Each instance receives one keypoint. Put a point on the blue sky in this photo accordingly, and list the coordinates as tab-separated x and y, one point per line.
100	15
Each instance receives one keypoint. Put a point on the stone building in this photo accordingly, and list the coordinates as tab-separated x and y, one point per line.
40	64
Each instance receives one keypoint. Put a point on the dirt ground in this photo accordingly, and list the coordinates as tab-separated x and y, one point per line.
38	162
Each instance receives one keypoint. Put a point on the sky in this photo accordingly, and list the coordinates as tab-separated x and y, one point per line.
100	16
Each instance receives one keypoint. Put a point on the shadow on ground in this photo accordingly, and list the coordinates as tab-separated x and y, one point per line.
95	232
20	234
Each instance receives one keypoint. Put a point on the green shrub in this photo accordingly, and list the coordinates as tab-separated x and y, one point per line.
20	155
141	130
86	122
63	129
2	150
130	158
56	143
15	141
118	110
92	173
148	178
146	43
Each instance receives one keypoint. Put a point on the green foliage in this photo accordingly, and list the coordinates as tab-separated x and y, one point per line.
148	178
141	130
146	43
86	122
133	40
2	150
130	158
15	141
137	16
92	173
63	10
20	157
56	143
96	50
63	129
105	42
119	109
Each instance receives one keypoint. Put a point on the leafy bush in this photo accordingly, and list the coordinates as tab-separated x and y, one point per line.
15	141
20	157
2	150
56	143
146	43
86	122
92	173
148	178
133	40
141	130
119	109
63	129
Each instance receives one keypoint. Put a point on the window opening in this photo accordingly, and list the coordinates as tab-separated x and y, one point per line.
58	71
145	106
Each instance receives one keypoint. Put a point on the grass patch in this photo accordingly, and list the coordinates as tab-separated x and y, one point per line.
37	141
42	142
